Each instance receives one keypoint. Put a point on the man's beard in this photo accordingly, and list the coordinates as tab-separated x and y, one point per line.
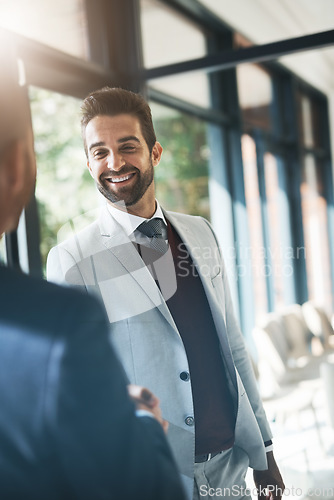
128	195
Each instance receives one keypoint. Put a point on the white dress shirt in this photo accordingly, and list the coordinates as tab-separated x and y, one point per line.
130	222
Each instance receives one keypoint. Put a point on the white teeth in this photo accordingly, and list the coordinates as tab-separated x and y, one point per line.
121	179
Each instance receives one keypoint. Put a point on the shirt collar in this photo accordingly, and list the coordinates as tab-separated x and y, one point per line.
130	222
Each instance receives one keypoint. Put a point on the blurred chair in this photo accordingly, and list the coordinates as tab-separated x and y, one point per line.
272	354
327	374
283	345
296	331
319	324
289	375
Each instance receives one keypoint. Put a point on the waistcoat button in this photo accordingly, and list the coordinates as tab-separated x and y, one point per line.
184	376
190	421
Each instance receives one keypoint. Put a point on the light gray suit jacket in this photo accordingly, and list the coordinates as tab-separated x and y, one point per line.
102	260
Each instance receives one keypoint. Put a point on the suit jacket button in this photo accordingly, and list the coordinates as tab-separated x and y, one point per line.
184	376
190	421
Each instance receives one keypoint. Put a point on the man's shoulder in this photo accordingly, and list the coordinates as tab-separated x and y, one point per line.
192	222
71	235
186	218
31	299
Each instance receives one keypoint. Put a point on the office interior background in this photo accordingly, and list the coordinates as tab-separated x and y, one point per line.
242	97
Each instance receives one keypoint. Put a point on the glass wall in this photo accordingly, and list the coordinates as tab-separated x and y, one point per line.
279	254
267	191
314	204
168	37
182	176
65	189
255	96
256	250
60	24
252	177
175	39
315	225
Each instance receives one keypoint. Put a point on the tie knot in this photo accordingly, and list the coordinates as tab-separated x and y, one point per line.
153	228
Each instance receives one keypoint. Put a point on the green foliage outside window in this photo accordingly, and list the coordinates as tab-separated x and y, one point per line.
182	176
64	187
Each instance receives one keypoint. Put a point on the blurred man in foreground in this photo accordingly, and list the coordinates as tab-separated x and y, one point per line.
67	427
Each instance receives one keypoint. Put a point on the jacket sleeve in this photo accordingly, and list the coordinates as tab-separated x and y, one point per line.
103	448
243	364
61	268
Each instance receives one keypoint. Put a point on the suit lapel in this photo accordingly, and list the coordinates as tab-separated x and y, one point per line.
116	241
192	242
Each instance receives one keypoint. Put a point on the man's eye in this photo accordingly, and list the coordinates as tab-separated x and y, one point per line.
128	149
100	154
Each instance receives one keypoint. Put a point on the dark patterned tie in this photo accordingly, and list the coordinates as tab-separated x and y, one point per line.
156	230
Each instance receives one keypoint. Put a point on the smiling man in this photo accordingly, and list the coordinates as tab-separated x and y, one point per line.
175	331
121	163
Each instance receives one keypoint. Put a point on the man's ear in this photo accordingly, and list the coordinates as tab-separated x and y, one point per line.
156	154
89	168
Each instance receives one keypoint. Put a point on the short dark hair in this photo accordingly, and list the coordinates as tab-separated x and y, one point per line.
115	101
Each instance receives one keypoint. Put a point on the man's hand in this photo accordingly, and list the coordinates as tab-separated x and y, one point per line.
146	400
269	479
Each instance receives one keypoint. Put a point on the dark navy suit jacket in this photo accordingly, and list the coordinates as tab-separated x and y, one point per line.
67	427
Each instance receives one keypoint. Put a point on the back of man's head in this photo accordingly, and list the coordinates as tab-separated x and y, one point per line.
13	105
112	101
17	162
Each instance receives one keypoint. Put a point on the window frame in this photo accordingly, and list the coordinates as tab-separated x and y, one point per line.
116	59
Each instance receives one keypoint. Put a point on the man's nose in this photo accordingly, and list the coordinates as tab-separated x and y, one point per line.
115	161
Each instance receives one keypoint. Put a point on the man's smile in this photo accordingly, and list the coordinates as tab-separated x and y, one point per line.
123	178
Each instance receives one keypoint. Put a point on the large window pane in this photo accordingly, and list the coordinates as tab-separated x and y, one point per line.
257	249
60	24
255	96
182	176
314	209
311	134
271	251
167	36
193	88
65	189
280	251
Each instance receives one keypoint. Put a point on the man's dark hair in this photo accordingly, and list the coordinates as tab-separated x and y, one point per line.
115	101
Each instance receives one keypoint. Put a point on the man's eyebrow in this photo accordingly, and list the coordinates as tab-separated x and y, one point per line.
128	138
96	145
121	141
